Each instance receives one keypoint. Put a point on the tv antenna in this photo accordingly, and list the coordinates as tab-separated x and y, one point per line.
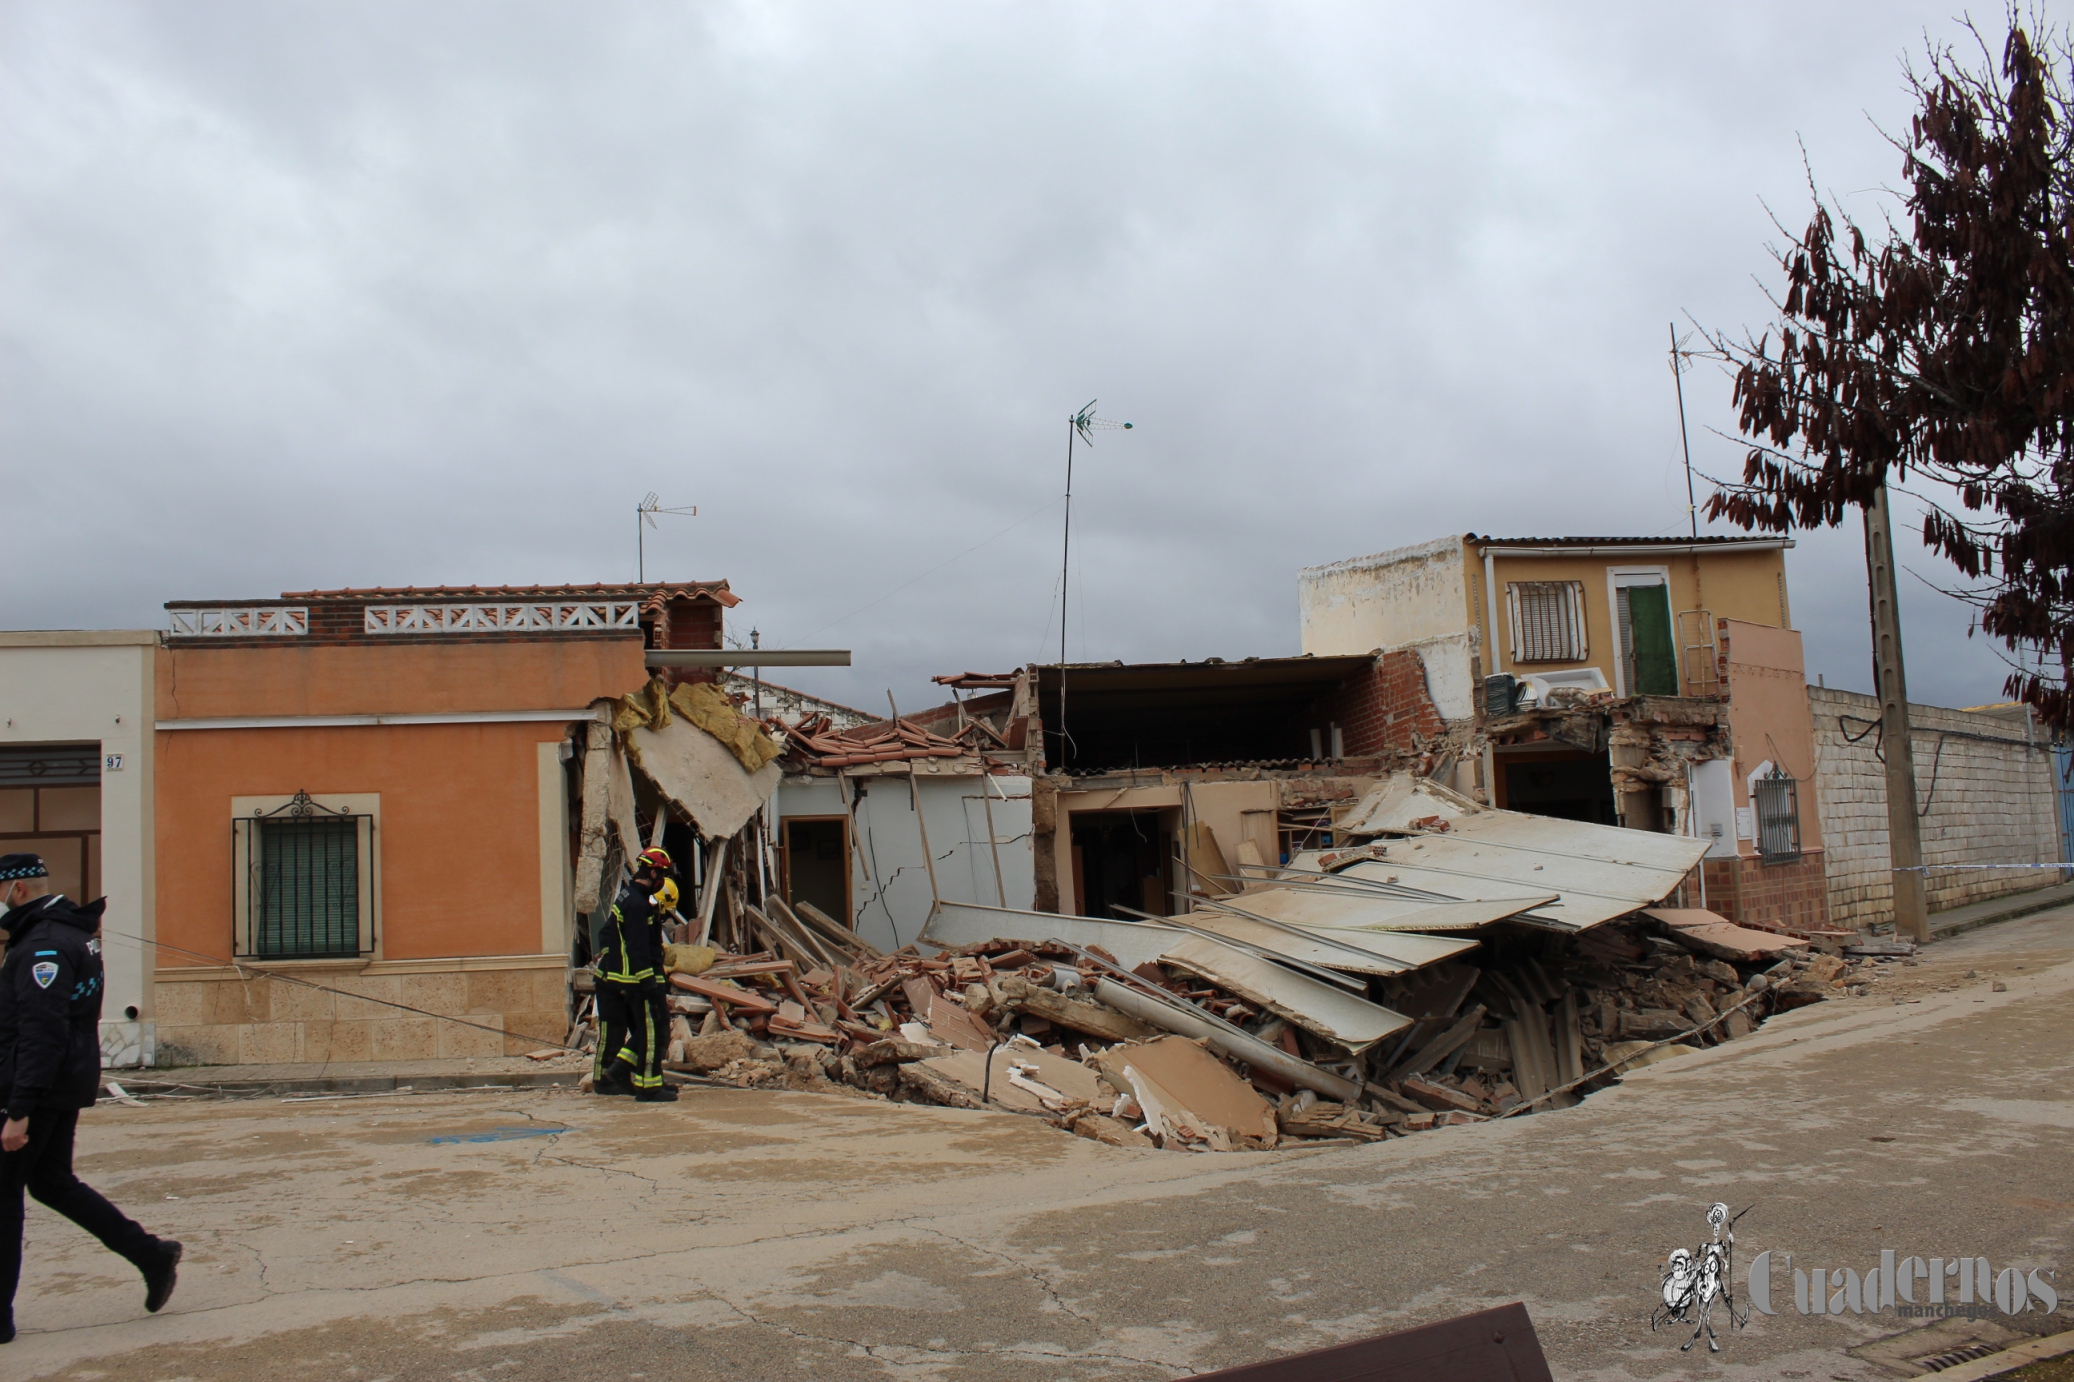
644	519
1680	362
1082	425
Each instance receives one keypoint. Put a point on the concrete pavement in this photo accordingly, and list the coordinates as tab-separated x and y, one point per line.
541	1234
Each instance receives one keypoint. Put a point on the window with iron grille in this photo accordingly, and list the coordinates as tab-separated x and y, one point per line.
1547	620
1777	798
307	882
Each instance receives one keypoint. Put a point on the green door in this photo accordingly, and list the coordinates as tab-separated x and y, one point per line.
1652	660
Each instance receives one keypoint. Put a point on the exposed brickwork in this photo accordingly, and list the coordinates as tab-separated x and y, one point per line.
1773	897
1390	708
1987	796
682	622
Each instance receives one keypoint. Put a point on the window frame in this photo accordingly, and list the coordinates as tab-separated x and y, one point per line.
1784	784
1618	577
1579	637
364	808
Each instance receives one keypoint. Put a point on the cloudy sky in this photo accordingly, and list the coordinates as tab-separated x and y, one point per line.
299	295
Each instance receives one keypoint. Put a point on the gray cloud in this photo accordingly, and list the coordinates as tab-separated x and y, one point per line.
306	295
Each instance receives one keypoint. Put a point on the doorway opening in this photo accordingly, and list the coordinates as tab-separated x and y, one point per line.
1569	786
816	863
1124	859
50	805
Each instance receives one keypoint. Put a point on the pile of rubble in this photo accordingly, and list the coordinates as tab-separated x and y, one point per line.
1157	1056
1447	963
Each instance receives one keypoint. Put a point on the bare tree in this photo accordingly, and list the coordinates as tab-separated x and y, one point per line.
1941	352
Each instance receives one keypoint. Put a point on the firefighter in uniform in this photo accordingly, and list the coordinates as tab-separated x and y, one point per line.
633	1023
50	1069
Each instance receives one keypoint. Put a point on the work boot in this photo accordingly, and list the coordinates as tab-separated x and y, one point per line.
7	1330
161	1275
664	1095
617	1081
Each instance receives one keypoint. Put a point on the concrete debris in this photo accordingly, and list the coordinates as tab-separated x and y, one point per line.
1177	1054
1314	1003
1706	933
702	777
1188	1098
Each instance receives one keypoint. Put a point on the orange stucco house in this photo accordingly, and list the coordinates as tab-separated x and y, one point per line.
372	788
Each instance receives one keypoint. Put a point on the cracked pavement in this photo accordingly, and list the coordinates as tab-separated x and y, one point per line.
746	1234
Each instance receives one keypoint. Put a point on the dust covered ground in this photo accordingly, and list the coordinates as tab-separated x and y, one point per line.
739	1234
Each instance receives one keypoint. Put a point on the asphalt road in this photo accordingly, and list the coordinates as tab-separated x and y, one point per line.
755	1235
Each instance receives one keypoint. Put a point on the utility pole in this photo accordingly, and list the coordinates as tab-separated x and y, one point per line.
1904	826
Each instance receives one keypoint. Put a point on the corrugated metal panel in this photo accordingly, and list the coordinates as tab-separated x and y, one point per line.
1352	950
1318	1008
967	923
1351	907
1599	871
1134	942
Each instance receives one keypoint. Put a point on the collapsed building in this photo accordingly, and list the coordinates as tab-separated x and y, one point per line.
1475	849
1442	963
1051	884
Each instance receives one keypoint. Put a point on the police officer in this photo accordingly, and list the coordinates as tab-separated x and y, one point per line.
633	1022
50	1069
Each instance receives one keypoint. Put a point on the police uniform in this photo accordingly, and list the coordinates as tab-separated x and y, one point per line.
633	1021
50	1069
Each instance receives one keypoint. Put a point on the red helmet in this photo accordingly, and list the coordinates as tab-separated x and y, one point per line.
653	859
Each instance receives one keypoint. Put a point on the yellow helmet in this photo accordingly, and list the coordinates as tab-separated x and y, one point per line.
665	897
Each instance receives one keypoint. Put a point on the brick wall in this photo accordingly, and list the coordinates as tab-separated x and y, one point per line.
1773	897
1390	708
1986	797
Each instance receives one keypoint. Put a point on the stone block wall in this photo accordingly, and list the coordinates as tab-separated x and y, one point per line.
212	1016
1984	789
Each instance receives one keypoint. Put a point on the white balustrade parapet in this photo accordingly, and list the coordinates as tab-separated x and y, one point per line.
490	618
254	621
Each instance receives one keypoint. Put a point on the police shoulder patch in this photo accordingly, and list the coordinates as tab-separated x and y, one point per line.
43	973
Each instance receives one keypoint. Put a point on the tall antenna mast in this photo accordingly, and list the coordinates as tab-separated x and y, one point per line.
644	519
1080	426
1678	357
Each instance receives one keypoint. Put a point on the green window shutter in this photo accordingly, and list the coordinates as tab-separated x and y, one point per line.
306	900
1655	659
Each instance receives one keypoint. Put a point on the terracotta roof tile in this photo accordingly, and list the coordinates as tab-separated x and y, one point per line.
651	594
